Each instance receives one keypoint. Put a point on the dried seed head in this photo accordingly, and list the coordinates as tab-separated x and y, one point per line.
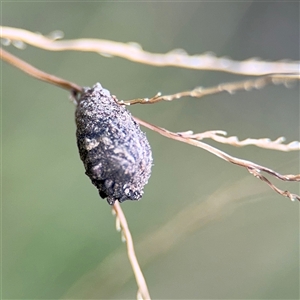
115	152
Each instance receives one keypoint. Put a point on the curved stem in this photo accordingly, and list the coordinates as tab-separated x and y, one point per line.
134	52
143	290
36	73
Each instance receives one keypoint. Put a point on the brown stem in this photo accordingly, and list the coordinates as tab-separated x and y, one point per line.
141	282
230	87
251	167
34	72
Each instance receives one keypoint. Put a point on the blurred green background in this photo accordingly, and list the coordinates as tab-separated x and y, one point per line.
58	236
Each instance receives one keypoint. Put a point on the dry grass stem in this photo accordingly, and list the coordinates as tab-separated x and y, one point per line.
36	73
251	167
134	52
231	88
121	223
219	136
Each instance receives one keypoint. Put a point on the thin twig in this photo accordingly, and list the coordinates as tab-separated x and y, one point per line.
34	72
134	52
139	277
251	167
230	87
256	173
219	136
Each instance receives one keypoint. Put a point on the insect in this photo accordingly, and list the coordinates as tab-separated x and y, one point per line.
115	152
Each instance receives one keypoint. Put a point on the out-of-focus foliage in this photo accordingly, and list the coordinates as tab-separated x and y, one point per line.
58	235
